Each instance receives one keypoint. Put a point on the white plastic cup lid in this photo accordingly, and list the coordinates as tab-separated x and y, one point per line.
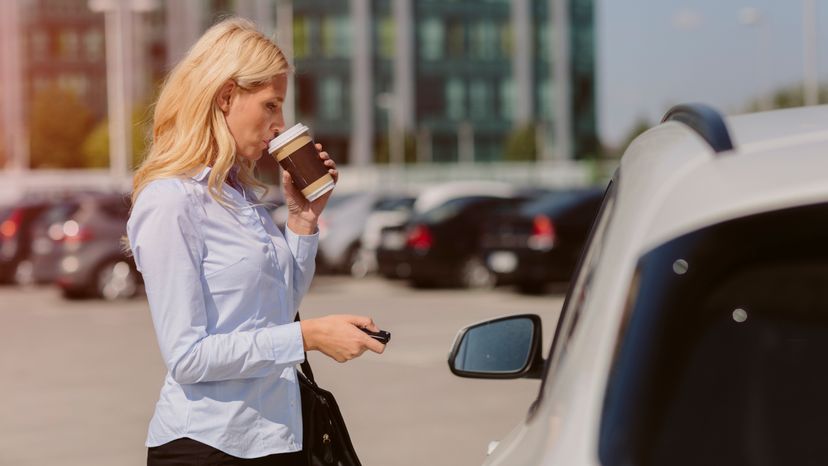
290	134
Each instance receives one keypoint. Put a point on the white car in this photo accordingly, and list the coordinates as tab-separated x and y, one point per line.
695	330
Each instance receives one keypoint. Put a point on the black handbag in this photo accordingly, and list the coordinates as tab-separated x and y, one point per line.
325	437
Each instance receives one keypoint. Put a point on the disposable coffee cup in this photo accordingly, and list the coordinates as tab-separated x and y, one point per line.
296	153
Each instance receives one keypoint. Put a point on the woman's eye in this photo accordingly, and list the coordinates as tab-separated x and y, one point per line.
271	106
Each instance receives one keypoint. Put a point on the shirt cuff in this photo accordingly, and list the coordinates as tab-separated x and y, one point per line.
303	247
287	343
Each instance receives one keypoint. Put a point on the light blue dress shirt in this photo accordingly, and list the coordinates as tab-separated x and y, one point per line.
223	286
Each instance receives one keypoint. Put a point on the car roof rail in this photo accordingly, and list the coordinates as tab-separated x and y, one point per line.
706	121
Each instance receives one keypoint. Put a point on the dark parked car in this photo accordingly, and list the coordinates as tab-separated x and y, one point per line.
94	262
542	241
16	238
391	254
48	233
443	243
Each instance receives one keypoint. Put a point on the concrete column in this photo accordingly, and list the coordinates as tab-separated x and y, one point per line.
184	27
14	133
522	62
561	75
403	87
362	103
258	11
284	37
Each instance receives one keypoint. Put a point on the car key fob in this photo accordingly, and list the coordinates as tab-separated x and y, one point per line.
382	336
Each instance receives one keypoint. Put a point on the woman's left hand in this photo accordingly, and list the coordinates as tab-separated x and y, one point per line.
303	215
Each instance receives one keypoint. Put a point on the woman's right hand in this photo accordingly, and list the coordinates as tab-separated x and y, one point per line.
339	336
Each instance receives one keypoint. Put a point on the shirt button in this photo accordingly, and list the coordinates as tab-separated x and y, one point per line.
264	248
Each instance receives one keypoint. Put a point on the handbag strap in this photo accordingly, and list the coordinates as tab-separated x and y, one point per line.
306	368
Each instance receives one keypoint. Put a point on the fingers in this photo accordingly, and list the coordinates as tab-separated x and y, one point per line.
363	322
375	346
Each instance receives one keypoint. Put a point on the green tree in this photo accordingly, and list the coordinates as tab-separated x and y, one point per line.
95	149
521	145
58	125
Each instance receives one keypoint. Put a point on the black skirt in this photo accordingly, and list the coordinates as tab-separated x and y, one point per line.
188	452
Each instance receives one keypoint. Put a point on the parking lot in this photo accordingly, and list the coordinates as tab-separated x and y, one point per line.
81	377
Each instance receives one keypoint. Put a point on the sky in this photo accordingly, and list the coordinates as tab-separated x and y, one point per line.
652	54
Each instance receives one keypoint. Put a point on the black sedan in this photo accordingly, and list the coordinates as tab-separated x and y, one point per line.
541	242
442	244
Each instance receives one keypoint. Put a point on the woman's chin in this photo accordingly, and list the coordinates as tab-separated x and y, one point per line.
253	155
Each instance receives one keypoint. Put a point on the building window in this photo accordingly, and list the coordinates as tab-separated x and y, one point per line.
480	99
506	40
432	37
69	45
455	99
40	45
343	36
336	37
483	40
385	38
93	44
331	98
546	94
301	37
507	99
456	43
328	31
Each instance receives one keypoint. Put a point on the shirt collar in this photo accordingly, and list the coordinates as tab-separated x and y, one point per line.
232	175
202	174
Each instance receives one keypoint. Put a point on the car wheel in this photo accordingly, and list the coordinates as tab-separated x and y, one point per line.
474	274
117	280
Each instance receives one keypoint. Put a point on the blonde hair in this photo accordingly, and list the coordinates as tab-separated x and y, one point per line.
189	129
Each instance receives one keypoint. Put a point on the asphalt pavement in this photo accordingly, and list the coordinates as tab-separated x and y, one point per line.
80	378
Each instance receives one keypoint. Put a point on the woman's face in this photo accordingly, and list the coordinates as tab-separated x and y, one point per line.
254	118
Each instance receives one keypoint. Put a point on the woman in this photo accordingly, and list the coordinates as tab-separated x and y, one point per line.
223	283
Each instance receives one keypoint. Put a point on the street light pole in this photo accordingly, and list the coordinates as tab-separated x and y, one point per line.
810	79
119	70
750	17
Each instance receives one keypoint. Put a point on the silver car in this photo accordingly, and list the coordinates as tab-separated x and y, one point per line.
696	325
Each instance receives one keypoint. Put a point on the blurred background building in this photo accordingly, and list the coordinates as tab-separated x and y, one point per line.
379	81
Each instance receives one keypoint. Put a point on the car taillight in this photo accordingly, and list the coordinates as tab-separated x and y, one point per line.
10	227
74	233
81	236
419	238
543	233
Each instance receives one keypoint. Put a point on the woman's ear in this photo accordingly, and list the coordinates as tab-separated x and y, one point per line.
225	95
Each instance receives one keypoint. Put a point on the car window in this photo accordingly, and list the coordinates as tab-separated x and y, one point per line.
550	203
449	209
579	290
721	353
57	213
391	204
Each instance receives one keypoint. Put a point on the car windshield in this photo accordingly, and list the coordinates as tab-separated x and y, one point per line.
720	359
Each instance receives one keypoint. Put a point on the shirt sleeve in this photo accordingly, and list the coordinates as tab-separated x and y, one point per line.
165	235
303	248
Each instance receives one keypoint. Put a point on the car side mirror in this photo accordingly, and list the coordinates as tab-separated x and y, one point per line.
502	348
